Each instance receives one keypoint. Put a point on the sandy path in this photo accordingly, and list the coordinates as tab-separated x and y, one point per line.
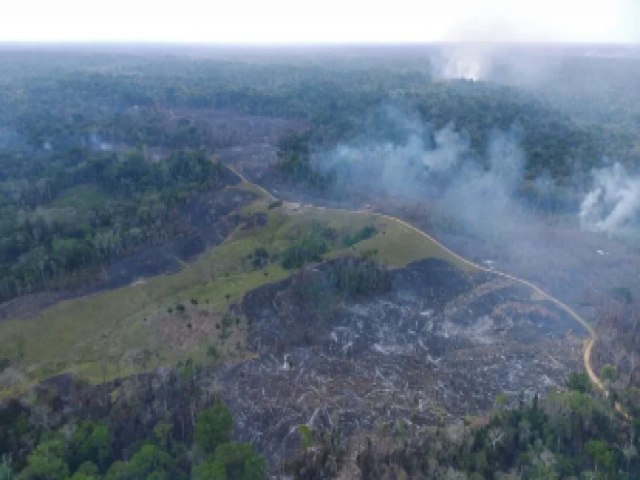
588	343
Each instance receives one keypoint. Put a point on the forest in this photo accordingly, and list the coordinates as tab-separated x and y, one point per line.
573	433
102	156
52	437
66	214
80	181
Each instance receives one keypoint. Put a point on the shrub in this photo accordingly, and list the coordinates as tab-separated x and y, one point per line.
365	232
309	249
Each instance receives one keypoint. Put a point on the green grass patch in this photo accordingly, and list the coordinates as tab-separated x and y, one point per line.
169	318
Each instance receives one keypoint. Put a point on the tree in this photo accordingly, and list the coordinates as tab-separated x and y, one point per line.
152	462
609	373
579	381
92	441
601	454
237	461
496	435
5	472
46	462
162	434
117	471
209	470
213	427
86	471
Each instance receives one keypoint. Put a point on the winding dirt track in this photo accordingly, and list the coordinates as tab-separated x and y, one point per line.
589	342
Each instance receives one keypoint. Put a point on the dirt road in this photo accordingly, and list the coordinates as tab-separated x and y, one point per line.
589	342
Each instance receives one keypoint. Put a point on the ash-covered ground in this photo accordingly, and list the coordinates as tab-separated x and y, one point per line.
437	343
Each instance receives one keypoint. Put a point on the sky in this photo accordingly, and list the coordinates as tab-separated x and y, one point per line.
320	21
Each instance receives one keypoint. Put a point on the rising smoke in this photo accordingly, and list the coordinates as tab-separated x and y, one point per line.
476	204
613	205
467	62
484	192
439	165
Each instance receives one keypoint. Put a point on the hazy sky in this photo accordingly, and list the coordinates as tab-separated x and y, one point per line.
337	21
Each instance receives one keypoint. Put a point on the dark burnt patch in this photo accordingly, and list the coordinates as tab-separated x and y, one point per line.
438	341
435	280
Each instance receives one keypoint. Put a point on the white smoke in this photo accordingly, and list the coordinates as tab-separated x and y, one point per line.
466	62
449	149
396	167
440	166
462	67
613	205
97	143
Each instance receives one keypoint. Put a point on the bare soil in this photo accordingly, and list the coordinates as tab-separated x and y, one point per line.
438	345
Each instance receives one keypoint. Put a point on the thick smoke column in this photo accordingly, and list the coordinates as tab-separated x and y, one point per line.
398	155
463	61
479	203
613	205
420	164
461	66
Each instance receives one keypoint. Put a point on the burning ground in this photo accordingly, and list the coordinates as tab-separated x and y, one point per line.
432	343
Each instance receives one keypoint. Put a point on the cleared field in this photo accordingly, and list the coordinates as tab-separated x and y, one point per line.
169	318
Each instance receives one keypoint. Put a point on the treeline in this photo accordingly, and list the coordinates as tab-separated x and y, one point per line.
67	118
555	148
80	208
166	425
339	103
616	354
572	433
88	450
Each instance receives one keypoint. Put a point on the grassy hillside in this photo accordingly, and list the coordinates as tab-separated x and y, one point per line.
189	314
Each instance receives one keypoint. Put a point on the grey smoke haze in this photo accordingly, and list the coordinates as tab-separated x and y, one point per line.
9	139
437	165
613	205
476	204
397	168
96	142
502	63
467	61
483	194
484	197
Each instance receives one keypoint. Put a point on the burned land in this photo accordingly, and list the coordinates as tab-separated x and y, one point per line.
420	346
437	344
189	241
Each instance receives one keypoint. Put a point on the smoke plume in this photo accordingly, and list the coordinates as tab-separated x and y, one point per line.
467	62
479	203
613	205
417	162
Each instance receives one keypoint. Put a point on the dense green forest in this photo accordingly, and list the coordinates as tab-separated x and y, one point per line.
338	102
74	209
93	449
93	160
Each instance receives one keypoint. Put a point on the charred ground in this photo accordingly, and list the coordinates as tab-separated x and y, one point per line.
437	344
